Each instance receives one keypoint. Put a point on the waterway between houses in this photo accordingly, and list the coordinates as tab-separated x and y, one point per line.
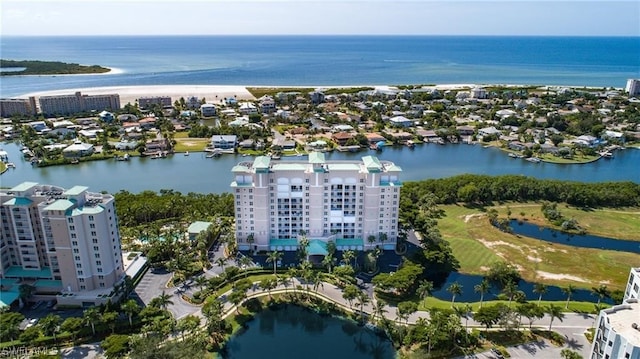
196	173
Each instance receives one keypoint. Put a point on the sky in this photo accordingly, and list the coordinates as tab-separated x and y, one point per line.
313	17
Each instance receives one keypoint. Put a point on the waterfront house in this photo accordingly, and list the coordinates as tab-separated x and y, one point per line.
147	123
428	135
156	145
373	138
465	130
586	140
78	149
341	138
488	131
247	144
224	142
400	121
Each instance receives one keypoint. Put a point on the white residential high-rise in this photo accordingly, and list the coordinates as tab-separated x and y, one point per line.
352	203
60	241
617	334
633	285
633	87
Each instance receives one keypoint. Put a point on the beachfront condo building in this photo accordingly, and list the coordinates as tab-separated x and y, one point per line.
633	285
633	87
61	242
351	203
617	334
18	106
147	102
77	103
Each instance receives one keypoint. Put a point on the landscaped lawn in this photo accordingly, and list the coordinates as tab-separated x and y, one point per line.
190	144
476	244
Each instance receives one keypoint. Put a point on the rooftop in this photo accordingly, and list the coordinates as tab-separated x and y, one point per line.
622	316
60	205
75	190
18	201
24	186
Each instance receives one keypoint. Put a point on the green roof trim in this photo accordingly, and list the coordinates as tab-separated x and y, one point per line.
262	163
239	168
317	247
282	242
24	186
7	297
349	242
19	272
198	226
394	168
75	190
60	205
18	201
48	283
316	158
372	163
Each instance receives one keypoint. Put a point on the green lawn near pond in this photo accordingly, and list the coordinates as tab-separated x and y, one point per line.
476	244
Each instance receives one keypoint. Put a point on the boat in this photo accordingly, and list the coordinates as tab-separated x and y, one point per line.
533	159
11	165
411	144
186	153
75	161
608	155
123	158
513	155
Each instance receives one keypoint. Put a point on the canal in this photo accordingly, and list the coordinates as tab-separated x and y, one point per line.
196	173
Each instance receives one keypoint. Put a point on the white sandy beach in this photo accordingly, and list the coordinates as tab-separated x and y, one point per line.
129	94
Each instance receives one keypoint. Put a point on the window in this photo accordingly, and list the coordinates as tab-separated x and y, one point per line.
78	265
98	263
82	287
75	250
95	240
92	225
99	270
97	255
72	228
101	285
73	235
77	258
70	220
81	280
93	233
96	248
91	218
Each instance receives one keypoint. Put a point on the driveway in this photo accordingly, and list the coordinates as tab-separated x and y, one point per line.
152	284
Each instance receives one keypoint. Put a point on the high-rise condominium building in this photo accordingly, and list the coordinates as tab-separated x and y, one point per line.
76	103
633	285
617	334
352	203
633	87
59	241
18	106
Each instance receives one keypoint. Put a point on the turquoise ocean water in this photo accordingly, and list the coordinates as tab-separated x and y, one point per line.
328	60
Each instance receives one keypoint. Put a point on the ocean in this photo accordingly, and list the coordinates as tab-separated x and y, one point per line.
328	60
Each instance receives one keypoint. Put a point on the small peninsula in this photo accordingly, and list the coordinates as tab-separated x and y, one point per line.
47	68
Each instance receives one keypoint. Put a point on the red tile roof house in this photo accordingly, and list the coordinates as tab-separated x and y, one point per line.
341	138
374	138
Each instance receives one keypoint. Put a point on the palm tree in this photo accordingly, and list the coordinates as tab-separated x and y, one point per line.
569	290
328	261
349	293
72	325
130	307
362	298
25	292
510	289
200	281
602	292
540	289
284	280
274	257
110	318
162	301
268	284
222	261
554	312
347	256
482	288
51	325
425	288
90	317
455	289
378	309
